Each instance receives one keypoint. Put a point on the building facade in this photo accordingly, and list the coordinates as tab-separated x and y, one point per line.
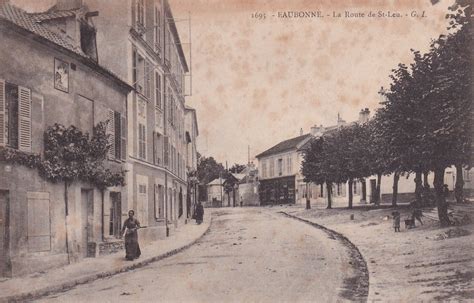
49	74
146	51
192	133
248	186
281	182
279	171
215	193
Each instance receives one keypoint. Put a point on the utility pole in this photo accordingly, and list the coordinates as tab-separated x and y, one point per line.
220	182
248	155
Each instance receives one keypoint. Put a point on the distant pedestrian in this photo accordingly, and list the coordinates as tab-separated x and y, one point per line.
396	221
417	214
241	201
445	191
199	213
132	249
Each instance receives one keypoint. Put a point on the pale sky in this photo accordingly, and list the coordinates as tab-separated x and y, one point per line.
257	82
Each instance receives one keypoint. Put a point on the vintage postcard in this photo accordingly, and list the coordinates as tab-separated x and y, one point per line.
236	151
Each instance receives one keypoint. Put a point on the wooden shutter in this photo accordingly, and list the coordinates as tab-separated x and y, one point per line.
3	138
118	137
166	150
111	133
154	148
24	119
123	136
157	202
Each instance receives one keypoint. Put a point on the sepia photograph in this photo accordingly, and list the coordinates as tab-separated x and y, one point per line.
236	151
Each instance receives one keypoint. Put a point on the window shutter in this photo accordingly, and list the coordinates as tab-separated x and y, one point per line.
24	119
154	148
111	133
2	113
123	136
166	150
118	137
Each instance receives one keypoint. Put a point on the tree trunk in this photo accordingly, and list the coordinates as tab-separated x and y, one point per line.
66	212
377	191
364	190
425	180
308	201
418	187
350	193
441	197
233	197
427	197
102	193
396	177
458	189
329	189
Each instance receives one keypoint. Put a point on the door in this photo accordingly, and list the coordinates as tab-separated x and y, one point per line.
180	202
5	266
87	222
373	190
115	214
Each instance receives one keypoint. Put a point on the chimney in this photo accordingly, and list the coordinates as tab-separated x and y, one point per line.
317	130
364	115
62	5
301	131
340	121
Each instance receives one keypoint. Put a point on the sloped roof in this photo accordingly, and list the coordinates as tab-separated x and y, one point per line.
32	23
217	181
29	22
239	176
50	15
284	146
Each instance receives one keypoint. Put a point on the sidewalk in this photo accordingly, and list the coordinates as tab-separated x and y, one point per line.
90	269
425	264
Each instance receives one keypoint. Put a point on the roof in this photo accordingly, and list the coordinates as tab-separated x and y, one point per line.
239	176
286	145
50	15
32	23
218	181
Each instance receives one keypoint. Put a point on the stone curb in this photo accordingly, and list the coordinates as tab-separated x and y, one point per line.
361	292
27	296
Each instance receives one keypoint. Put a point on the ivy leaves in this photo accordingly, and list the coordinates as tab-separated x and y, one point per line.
70	155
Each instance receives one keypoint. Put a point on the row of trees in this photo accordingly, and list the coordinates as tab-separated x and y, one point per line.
424	124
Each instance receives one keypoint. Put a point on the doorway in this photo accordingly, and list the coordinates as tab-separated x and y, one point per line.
5	265
87	215
115	214
180	202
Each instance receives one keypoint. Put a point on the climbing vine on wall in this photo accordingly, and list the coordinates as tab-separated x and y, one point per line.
70	155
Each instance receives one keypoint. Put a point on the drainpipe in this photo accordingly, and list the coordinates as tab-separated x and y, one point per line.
166	204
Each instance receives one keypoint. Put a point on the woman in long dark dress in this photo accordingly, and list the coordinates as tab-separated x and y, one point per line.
199	213
132	249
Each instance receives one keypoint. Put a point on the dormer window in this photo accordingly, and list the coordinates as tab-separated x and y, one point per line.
88	40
